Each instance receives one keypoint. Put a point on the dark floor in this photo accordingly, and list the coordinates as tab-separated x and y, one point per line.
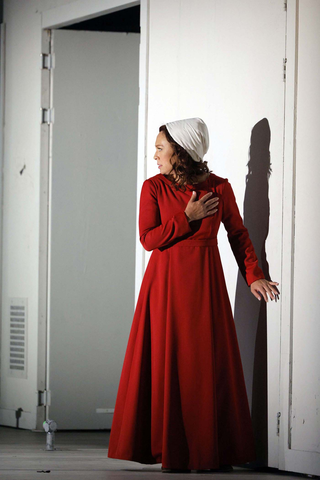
83	455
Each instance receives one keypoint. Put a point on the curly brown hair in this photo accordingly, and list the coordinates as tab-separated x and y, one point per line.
186	169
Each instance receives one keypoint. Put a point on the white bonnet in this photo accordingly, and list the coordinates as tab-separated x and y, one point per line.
191	134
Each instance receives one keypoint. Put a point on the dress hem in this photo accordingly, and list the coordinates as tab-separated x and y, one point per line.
233	462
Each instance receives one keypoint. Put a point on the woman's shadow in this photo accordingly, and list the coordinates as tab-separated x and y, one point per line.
251	315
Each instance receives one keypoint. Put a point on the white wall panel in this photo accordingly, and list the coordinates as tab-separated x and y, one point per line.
222	60
305	415
21	199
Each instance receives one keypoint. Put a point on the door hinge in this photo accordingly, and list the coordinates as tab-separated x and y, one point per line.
278	423
47	115
284	69
285	5
47	61
44	398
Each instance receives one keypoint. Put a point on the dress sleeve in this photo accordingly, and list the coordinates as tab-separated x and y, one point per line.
238	237
153	233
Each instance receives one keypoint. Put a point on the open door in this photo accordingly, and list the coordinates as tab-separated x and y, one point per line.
92	220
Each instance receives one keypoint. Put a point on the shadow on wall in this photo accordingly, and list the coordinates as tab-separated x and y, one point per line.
251	315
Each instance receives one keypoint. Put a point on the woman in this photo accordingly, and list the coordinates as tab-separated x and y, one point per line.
182	400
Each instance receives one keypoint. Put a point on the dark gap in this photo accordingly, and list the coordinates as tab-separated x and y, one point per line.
126	20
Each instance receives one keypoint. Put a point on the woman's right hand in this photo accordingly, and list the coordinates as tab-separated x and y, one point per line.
197	209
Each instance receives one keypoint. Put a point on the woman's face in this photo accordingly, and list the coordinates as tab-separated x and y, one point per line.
164	153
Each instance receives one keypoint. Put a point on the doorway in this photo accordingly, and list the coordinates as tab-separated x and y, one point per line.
92	151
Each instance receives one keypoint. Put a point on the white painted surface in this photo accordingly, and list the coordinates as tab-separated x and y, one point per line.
21	199
300	385
93	192
222	61
305	419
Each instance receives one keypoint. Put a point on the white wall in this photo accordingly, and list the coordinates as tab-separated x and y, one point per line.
216	59
21	193
221	60
299	438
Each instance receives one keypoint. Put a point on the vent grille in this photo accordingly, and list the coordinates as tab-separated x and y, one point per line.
18	336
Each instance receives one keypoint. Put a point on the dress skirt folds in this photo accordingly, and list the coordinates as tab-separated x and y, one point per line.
182	400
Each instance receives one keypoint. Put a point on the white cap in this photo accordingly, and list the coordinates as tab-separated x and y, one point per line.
191	134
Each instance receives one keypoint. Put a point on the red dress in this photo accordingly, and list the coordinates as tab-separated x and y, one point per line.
182	400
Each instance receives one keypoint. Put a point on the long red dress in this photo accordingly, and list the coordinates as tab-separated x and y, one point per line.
182	400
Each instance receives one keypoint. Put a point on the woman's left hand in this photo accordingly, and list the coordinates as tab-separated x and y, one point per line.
264	288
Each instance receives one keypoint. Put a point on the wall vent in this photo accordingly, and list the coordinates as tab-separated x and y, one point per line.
18	337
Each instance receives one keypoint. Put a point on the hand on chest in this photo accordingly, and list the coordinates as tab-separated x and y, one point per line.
172	202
